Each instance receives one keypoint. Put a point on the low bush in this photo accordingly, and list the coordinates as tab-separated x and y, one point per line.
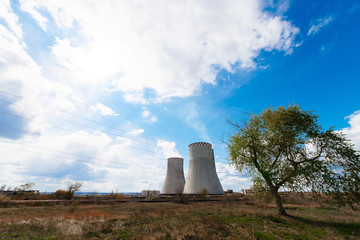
61	194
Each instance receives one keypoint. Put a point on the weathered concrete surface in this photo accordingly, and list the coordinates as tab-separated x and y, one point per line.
175	180
202	172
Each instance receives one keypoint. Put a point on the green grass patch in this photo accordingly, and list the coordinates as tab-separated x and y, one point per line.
326	208
264	236
122	234
240	219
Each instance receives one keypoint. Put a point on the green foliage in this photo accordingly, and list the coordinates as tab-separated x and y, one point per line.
264	236
261	190
286	148
122	234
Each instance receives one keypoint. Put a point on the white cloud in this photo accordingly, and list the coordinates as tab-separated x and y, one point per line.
29	6
62	19
320	24
104	110
135	132
136	97
21	76
10	18
353	132
167	149
146	114
283	6
170	47
102	163
230	178
51	158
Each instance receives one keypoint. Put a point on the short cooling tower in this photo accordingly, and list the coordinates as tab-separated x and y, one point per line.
202	172
174	181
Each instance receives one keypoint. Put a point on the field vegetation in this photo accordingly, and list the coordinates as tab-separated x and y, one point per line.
245	218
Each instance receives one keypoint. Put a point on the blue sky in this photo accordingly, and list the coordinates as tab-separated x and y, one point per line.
104	93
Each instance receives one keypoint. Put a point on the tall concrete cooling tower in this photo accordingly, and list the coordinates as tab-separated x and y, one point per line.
202	172
174	181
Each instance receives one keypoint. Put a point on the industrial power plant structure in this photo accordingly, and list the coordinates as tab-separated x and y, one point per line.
201	174
174	181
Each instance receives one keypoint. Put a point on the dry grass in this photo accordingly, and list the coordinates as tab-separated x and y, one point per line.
168	220
4	198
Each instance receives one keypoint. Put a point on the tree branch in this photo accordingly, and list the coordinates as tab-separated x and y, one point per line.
276	159
293	174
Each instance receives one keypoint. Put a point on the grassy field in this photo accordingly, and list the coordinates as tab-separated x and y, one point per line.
169	220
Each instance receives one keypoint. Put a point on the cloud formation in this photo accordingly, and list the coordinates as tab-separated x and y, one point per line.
148	51
167	149
146	114
230	178
353	132
104	110
322	22
170	47
135	132
103	163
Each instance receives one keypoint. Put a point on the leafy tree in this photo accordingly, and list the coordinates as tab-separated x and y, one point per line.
285	148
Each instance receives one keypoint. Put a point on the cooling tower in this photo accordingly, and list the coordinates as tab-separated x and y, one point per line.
174	181
202	172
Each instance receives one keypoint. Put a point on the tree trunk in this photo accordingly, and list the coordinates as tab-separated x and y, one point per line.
279	205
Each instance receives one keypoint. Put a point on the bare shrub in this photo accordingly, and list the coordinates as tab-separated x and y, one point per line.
72	188
24	187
